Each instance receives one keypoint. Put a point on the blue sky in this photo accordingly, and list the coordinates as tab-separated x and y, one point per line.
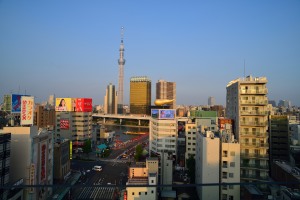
71	48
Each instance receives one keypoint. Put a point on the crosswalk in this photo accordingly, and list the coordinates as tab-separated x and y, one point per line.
97	193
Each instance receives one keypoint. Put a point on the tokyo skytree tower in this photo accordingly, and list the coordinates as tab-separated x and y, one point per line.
121	63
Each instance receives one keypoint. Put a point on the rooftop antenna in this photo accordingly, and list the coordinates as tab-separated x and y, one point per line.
122	33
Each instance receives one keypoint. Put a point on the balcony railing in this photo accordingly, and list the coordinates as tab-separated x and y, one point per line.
254	155
252	176
253	112
250	123
253	134
253	91
254	144
255	102
258	166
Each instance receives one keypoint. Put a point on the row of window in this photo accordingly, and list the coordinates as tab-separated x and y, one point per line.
140	193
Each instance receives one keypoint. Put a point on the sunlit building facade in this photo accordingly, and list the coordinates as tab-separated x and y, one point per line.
246	104
110	100
166	90
140	95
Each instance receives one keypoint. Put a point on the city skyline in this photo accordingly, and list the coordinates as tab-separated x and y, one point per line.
71	49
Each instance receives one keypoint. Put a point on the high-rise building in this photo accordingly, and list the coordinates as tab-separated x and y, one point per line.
140	95
51	100
166	90
121	63
211	101
110	100
5	139
246	104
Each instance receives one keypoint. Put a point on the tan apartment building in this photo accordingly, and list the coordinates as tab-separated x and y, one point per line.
246	104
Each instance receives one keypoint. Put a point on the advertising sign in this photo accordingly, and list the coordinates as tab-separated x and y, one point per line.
84	105
27	107
154	113
31	177
64	124
43	162
166	114
63	104
16	103
71	149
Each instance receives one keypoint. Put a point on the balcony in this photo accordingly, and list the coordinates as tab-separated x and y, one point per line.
253	112
253	91
254	155
256	166
254	144
253	176
254	102
251	123
253	134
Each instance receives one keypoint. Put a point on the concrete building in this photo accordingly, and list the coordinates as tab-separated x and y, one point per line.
190	132
246	104
44	117
32	159
279	137
74	126
62	161
166	90
163	132
110	100
142	174
5	139
140	95
51	100
207	165
211	101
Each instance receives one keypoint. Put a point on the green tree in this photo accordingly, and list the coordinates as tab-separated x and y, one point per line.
190	163
138	152
87	147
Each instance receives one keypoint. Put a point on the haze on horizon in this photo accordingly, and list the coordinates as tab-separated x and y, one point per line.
71	48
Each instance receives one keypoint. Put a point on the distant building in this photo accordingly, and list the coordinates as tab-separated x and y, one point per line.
285	103
166	90
211	101
51	100
110	100
272	102
190	133
43	117
140	95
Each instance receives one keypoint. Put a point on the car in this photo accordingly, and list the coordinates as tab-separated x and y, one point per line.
97	168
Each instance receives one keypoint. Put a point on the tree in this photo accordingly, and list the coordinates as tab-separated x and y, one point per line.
190	163
87	147
138	152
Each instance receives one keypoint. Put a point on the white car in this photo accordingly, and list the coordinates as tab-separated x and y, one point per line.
97	168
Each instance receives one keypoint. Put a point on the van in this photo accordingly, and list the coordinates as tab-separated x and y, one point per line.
97	168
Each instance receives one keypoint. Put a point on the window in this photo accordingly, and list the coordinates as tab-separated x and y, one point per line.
225	154
152	191
224	196
230	197
152	181
145	193
139	193
231	187
232	153
224	164
133	193
232	164
224	175
231	175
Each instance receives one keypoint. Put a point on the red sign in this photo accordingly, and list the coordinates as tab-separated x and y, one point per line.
84	105
125	195
64	124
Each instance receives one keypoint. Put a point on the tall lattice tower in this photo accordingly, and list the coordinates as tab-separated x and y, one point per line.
121	63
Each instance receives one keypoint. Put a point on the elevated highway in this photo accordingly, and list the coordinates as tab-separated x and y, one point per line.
122	117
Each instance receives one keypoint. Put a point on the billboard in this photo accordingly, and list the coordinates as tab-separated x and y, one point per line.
64	104
74	104
166	114
84	105
64	124
27	107
71	150
16	103
154	113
